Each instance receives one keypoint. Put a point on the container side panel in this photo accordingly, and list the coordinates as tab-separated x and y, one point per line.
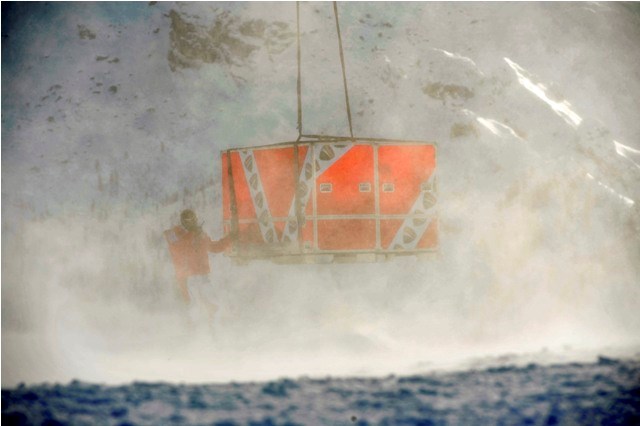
226	203
277	172
302	153
243	195
279	226
347	234
430	238
346	187
300	188
402	169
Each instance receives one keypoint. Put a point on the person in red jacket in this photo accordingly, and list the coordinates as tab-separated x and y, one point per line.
189	247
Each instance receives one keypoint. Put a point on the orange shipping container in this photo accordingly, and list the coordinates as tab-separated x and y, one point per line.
331	199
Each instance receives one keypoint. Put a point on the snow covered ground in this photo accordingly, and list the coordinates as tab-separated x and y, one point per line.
603	393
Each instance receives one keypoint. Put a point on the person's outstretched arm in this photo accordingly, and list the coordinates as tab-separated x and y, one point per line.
220	245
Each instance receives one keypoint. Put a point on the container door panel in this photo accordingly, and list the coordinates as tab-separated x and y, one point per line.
347	234
346	187
388	230
244	203
276	168
429	239
402	170
277	171
409	234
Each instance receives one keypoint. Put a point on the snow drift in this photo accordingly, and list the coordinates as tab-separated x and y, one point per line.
538	181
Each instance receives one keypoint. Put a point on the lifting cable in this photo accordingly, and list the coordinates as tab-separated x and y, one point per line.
296	157
344	72
299	88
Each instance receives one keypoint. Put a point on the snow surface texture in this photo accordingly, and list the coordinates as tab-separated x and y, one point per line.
605	393
113	117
